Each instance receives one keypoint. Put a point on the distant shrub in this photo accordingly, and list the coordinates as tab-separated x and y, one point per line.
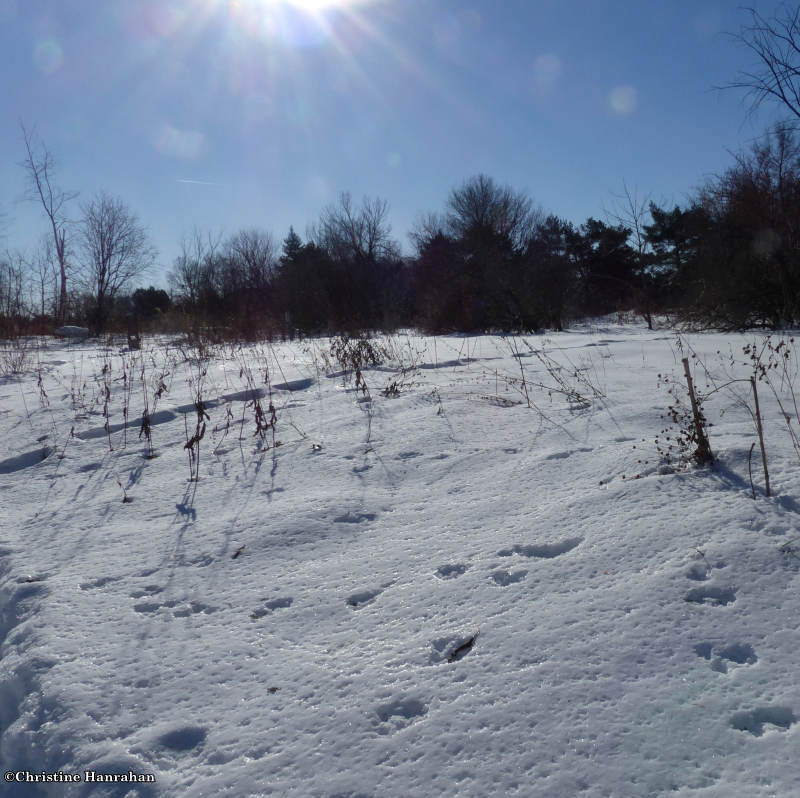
354	354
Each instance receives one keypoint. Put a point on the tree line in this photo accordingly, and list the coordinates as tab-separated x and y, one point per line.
491	259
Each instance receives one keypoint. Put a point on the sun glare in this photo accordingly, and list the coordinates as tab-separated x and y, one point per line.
309	6
298	22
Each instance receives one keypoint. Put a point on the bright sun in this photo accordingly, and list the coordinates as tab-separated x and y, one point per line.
298	23
310	6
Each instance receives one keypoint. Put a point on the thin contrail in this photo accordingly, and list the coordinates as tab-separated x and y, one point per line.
198	182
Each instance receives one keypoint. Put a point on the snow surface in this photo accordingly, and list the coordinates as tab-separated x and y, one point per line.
439	591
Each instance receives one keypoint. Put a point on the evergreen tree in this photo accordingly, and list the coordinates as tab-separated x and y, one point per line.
291	246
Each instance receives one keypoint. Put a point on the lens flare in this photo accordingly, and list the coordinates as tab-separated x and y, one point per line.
623	100
48	56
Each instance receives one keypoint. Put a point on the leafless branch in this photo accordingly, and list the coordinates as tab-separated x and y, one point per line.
775	42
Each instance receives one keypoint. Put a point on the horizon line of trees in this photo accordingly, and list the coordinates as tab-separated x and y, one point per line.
492	259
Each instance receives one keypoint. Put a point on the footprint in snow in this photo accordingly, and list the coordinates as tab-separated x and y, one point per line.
146	607
698	572
149	590
755	720
565	455
271	606
737	653
194	608
542	550
451	571
506	578
352	517
183	738
364	597
714	596
399	714
452	648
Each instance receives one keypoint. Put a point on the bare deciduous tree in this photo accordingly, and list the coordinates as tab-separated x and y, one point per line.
482	204
631	211
115	248
44	276
39	165
363	234
190	272
253	254
775	41
426	228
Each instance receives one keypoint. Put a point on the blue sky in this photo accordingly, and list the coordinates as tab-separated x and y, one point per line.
222	114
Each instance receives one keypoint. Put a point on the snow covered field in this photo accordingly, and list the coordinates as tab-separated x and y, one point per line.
440	591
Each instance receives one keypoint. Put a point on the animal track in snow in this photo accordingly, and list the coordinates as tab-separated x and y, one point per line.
543	550
738	653
698	572
149	590
153	606
506	578
351	517
183	738
754	720
399	714
271	606
363	597
715	596
451	571
565	455
459	652
452	648
194	608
